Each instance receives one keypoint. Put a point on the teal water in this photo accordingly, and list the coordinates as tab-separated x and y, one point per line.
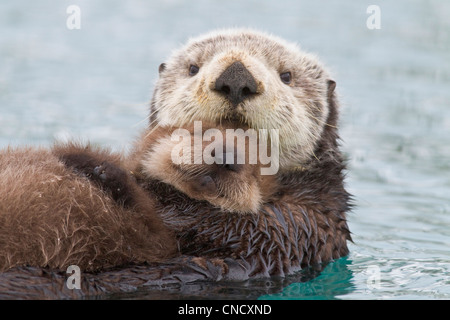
94	83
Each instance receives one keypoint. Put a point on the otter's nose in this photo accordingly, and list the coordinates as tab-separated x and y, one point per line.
236	83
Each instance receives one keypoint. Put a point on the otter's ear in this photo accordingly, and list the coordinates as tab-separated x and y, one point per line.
332	104
331	87
162	67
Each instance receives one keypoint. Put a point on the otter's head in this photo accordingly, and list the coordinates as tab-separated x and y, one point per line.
249	79
222	178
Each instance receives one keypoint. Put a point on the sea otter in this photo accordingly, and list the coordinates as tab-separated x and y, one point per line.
77	204
51	216
253	79
245	79
231	182
250	79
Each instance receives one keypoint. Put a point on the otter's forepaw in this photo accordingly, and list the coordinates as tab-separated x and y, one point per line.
82	164
115	180
110	176
100	172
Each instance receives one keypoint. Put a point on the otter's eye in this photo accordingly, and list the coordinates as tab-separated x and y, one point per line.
286	77
193	70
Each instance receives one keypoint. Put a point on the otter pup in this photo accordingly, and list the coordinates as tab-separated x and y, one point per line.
232	181
62	218
52	217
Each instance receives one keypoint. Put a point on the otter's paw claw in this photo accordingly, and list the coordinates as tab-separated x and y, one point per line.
110	175
100	171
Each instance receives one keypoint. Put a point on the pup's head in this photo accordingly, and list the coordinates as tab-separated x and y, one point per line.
205	168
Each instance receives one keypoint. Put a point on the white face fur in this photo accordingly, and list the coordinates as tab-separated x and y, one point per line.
291	93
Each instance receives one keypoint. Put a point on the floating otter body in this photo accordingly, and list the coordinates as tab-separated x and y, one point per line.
246	79
253	80
52	217
82	207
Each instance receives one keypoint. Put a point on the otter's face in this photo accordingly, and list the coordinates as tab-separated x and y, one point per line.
249	79
224	182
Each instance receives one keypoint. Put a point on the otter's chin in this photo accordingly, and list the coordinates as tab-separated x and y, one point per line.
249	203
238	209
234	118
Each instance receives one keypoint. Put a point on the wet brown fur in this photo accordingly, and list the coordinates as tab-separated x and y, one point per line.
79	205
304	225
51	216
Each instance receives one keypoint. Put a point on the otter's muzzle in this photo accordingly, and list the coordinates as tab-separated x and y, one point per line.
236	83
